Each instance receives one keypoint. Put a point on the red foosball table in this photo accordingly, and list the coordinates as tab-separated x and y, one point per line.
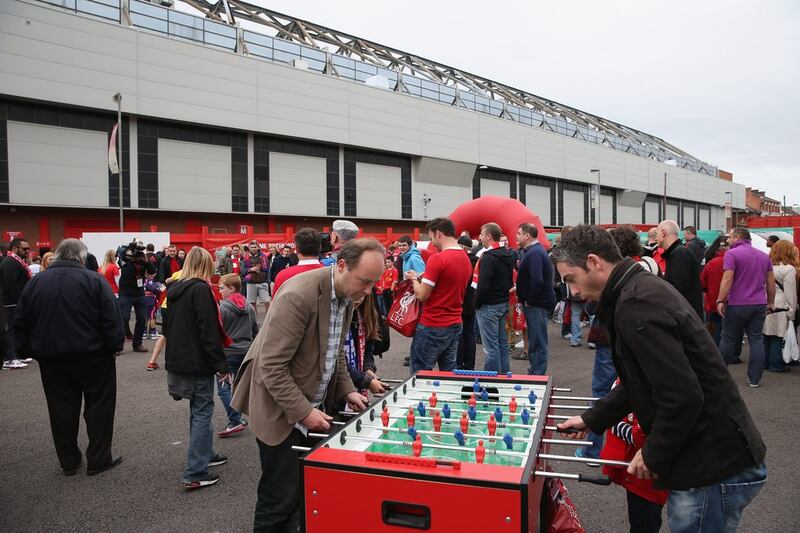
442	451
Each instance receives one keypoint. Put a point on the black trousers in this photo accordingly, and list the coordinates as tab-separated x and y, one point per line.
279	507
465	356
644	516
66	382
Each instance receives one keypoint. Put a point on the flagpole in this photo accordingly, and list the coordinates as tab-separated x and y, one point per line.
118	99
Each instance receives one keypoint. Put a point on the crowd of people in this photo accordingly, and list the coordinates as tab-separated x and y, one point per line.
327	306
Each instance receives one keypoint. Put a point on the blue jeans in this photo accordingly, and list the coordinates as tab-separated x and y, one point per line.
715	508
201	436
492	325
750	319
434	345
225	392
575	327
603	376
139	305
773	346
715	319
538	348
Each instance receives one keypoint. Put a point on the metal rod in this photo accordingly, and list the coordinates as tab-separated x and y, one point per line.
521	404
601	480
471	422
523	388
574	459
118	99
561	389
576	398
318	435
479	411
392	381
442	433
519	394
583	407
490	451
301	449
554	428
559	417
568	442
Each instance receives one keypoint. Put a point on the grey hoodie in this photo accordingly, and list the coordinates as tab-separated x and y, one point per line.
239	321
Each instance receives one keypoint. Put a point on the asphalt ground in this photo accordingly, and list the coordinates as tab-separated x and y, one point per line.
151	431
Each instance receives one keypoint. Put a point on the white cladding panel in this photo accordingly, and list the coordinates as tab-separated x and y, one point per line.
49	165
194	176
672	212
297	184
606	209
447	184
628	215
444	199
574	208
494	188
688	216
651	213
538	200
378	191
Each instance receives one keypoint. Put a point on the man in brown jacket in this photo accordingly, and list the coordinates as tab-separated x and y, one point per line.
295	369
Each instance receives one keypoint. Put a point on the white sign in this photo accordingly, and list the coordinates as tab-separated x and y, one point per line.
100	243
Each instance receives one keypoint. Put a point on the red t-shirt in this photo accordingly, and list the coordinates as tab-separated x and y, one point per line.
110	273
292	271
448	272
387	281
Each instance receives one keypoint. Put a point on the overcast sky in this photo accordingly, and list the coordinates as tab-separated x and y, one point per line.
721	80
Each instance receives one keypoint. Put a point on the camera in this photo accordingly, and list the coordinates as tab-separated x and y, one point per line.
325	246
133	251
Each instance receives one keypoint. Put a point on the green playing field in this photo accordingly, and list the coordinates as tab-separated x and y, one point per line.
398	431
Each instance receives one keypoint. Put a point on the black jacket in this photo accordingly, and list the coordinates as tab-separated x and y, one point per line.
673	378
13	278
194	336
278	263
165	268
698	248
129	276
495	277
468	309
68	311
683	272
535	278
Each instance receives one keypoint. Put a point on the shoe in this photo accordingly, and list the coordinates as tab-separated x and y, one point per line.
230	430
152	366
754	385
94	471
591	345
574	344
217	460
14	364
154	334
140	349
520	345
568	336
26	360
579	453
74	470
200	483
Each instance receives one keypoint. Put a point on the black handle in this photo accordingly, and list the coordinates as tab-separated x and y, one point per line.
568	431
408	515
594	480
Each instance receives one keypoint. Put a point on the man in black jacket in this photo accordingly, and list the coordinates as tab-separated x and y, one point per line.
683	269
495	277
14	275
701	443
131	294
68	320
465	356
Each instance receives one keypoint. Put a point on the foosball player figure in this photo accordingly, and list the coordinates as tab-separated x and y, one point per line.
446	411
491	425
433	399
472	412
464	422
421	408
410	417
416	446
472	401
480	452
385	418
437	421
512	408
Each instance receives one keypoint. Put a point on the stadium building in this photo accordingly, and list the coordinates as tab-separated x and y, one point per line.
236	115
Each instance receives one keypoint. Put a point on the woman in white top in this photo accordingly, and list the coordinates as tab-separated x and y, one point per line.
782	254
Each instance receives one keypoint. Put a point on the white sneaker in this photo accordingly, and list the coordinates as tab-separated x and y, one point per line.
520	345
14	364
26	360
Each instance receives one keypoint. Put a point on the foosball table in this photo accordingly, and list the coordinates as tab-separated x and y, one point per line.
442	451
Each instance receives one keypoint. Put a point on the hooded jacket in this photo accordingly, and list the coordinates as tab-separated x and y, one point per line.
193	330
698	248
412	260
698	428
683	272
239	321
495	277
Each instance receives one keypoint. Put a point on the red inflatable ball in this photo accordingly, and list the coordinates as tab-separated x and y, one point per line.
508	213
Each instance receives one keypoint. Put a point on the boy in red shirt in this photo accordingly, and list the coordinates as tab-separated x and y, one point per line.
441	289
385	287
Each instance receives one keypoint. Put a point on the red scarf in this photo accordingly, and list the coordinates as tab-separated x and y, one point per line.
174	264
362	345
19	260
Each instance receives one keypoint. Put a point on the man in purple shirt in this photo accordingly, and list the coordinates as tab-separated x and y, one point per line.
746	292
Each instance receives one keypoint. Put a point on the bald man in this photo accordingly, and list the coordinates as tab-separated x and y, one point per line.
682	269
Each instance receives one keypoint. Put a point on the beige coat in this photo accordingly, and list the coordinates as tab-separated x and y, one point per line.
776	323
283	368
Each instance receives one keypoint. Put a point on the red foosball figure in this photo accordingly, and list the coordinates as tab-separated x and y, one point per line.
416	446
410	417
433	399
480	452
464	422
512	408
385	417
437	421
472	401
492	425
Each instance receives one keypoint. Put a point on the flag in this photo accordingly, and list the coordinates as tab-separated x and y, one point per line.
113	165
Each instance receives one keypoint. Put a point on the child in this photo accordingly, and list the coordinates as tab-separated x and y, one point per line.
385	288
152	295
239	322
623	440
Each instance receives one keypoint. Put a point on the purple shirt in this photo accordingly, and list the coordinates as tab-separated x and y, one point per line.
750	267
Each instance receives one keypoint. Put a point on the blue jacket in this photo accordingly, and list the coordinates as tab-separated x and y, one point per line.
535	278
412	260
